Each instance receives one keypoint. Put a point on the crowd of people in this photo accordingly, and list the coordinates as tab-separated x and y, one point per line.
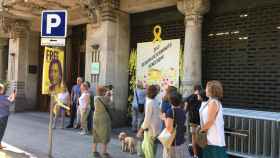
155	111
169	111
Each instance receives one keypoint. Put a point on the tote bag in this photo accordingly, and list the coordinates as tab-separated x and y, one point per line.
166	138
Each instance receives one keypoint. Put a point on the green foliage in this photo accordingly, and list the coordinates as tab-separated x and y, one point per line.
132	76
5	83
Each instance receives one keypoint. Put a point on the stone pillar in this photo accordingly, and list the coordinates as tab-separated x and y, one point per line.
3	45
18	62
193	11
111	36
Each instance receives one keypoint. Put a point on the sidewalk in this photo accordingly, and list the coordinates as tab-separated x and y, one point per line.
29	132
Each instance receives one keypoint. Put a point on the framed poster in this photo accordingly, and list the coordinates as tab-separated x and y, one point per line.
158	63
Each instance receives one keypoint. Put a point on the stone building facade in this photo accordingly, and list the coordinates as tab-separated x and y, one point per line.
112	27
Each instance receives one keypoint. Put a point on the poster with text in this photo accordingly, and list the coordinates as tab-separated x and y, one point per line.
52	82
158	63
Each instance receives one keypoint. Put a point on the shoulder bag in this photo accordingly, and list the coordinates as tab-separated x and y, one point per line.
106	108
166	138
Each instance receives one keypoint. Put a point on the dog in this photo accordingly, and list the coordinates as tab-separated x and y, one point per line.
122	137
130	145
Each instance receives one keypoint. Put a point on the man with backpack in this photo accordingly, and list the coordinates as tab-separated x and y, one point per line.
138	106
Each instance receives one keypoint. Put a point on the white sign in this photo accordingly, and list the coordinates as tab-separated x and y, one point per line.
59	42
95	68
158	63
54	23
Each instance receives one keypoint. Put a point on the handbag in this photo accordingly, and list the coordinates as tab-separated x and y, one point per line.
165	137
200	136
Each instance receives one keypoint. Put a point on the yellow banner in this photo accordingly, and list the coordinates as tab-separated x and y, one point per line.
53	71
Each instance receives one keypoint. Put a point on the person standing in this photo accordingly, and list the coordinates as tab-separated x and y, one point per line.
165	104
175	120
102	122
212	121
138	108
75	94
84	107
92	91
63	98
151	124
193	104
5	103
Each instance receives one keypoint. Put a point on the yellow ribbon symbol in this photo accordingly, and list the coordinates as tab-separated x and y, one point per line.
157	33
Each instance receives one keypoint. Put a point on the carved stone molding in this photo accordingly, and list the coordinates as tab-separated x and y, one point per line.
192	20
193	7
19	29
101	10
92	8
15	28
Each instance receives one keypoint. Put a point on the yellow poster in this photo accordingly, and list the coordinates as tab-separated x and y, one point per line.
53	71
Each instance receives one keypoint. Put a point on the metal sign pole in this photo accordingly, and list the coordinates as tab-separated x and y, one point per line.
50	139
53	33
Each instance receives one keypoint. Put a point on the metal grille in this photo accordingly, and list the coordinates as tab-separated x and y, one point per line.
252	133
242	50
172	26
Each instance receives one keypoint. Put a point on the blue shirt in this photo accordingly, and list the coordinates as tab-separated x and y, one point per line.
4	106
165	106
179	121
139	97
76	93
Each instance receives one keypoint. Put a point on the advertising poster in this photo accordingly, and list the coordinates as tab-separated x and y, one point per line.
52	82
158	63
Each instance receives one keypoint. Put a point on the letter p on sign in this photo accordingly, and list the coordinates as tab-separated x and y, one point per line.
54	23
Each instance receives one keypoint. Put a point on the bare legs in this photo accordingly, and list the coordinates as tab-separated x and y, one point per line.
103	148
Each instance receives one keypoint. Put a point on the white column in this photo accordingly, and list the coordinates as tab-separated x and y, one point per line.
193	11
18	63
3	44
192	53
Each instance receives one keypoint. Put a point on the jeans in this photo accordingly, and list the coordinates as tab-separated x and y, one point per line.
3	125
61	113
137	119
90	119
73	114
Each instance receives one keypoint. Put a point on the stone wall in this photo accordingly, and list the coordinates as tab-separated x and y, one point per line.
113	40
31	81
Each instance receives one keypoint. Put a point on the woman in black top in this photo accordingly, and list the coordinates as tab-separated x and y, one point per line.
193	103
175	119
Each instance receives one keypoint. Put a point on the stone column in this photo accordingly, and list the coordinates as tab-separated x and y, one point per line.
3	45
193	11
112	37
18	62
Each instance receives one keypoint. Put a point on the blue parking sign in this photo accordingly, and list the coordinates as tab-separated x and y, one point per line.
54	23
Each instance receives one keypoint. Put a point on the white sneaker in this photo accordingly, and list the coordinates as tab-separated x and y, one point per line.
83	133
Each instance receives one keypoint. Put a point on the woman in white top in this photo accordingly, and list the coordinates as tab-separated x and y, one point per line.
151	124
212	121
84	107
64	98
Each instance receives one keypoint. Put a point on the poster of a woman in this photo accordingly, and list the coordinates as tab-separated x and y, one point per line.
55	75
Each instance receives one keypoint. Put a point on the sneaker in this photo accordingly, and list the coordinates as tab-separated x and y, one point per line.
83	133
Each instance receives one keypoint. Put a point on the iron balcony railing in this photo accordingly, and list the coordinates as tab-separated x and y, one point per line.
252	134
